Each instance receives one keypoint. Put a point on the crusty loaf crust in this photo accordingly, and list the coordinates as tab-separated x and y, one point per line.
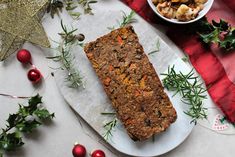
131	83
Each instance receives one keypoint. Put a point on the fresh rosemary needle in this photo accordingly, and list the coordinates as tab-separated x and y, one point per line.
190	89
107	113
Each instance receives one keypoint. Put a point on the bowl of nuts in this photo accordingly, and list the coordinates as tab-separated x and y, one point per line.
181	11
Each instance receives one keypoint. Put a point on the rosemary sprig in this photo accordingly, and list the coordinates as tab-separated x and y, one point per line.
25	120
126	19
191	91
157	47
55	7
86	4
70	7
69	39
109	127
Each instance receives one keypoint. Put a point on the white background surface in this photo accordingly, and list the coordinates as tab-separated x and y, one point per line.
57	139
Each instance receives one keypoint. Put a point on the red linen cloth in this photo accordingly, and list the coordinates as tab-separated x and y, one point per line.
215	67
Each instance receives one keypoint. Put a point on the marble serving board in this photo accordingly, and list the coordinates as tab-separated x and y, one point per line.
90	101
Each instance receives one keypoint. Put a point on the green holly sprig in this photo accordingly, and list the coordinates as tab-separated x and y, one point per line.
25	120
221	33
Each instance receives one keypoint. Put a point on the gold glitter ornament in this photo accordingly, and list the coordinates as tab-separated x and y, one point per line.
20	22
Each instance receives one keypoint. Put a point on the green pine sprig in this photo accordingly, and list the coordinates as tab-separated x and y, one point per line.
25	120
191	90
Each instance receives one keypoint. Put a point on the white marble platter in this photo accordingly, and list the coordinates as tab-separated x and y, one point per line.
90	101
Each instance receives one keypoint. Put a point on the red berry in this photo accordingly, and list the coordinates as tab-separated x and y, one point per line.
34	75
24	56
79	151
98	153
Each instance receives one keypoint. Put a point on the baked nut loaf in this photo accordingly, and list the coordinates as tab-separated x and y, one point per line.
131	83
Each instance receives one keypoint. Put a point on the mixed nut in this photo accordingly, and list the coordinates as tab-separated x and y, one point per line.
183	10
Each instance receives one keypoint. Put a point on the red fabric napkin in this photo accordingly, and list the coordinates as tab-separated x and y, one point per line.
215	67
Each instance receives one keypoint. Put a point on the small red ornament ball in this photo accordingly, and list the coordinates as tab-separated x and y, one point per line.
24	56
34	75
79	151
98	153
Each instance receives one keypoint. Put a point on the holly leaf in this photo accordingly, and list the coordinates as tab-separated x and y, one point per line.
222	25
43	114
229	41
23	111
24	121
220	33
11	141
27	126
35	100
33	103
212	37
12	119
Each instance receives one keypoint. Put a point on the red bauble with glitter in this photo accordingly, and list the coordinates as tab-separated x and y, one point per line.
98	153
24	56
34	75
79	151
